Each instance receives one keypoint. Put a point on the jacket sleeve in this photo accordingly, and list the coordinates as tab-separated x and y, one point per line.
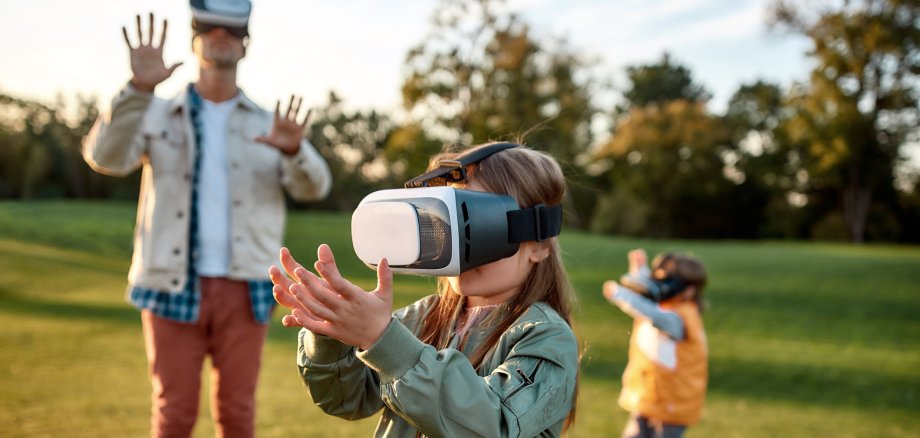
441	394
114	145
638	306
338	382
305	175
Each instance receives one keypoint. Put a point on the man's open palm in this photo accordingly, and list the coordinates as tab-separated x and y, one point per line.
286	131
146	59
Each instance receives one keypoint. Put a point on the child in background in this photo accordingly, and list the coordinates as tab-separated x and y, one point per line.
492	354
664	384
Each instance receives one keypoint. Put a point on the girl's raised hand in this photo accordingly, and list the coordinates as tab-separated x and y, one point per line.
331	305
637	259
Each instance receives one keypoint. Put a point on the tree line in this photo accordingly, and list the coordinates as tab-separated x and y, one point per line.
819	159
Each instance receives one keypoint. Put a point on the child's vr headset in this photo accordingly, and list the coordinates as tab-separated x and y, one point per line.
656	289
431	229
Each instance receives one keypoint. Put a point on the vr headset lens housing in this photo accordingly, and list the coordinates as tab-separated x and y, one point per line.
432	230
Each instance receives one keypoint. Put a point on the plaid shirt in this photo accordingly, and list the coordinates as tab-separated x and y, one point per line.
184	306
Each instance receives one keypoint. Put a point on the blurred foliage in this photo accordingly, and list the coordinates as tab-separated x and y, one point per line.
821	159
40	152
353	145
482	75
655	84
669	166
847	125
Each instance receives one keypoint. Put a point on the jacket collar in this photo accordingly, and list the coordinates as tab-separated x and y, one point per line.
179	102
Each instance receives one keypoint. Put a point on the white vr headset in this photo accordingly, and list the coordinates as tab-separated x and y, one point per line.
432	229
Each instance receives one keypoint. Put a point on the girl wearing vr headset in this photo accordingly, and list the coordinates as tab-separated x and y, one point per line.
492	354
664	383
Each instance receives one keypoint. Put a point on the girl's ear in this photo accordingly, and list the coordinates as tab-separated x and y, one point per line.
537	251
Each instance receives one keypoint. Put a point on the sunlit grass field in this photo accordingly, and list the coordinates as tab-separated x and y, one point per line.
806	339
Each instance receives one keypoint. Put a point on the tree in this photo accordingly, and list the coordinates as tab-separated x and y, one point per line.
852	118
655	84
40	149
761	159
667	176
353	145
481	76
666	160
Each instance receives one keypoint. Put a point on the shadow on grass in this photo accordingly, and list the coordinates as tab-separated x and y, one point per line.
816	384
12	303
797	383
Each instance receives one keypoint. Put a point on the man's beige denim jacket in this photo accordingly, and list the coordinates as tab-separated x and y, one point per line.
142	130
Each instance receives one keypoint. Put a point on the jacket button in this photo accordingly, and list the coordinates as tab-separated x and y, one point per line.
175	282
188	176
237	202
176	251
179	214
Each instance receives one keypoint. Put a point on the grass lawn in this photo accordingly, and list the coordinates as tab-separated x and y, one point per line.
806	339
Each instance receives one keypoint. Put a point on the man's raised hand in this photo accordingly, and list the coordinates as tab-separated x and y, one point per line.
146	59
286	131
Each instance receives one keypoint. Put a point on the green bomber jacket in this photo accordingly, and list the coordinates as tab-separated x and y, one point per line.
525	388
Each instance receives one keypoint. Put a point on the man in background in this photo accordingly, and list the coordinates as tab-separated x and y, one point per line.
210	216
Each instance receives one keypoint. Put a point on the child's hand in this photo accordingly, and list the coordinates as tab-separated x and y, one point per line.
331	305
610	288
637	259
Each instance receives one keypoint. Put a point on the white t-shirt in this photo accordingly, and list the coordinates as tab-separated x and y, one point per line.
214	190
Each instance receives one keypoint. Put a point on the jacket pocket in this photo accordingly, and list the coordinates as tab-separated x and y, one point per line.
526	380
168	152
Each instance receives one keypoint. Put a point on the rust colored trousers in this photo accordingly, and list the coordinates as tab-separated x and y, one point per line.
227	331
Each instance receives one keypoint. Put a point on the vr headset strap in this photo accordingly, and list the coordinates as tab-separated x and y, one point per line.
458	165
536	223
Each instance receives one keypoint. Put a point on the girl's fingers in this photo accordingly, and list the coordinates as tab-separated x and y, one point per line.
319	290
330	271
283	297
290	265
290	321
309	301
305	316
279	278
384	275
318	327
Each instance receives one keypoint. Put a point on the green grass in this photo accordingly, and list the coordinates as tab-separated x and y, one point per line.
806	339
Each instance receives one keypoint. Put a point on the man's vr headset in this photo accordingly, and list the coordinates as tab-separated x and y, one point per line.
231	15
428	228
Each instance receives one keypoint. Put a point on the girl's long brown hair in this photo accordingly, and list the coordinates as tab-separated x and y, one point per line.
531	177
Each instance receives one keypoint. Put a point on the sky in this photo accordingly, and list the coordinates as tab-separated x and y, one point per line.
357	47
